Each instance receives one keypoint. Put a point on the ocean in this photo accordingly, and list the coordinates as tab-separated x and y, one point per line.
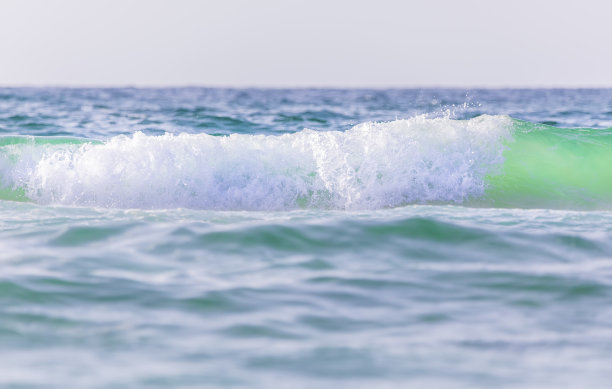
305	238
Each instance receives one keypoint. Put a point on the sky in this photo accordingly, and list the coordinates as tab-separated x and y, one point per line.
314	43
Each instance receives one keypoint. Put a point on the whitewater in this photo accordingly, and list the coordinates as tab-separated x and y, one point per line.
370	166
195	237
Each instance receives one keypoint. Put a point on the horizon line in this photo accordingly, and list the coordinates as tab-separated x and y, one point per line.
295	87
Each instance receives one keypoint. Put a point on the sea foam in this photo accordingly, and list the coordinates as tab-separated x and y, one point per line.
372	165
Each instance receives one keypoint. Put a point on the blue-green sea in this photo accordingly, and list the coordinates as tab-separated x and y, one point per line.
305	238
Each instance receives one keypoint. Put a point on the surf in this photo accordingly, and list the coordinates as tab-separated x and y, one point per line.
488	160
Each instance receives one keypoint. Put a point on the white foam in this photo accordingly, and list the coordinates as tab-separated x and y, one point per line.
372	165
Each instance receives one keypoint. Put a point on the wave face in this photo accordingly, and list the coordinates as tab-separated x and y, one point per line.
485	161
549	167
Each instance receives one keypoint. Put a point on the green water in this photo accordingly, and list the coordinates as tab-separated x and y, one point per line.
551	167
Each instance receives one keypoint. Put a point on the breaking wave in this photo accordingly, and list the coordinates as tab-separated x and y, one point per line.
484	161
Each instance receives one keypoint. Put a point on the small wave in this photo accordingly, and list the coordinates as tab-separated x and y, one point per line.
485	161
372	165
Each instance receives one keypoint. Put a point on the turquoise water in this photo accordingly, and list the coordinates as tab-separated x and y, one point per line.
305	238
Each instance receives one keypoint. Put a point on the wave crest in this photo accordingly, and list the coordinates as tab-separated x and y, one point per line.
372	165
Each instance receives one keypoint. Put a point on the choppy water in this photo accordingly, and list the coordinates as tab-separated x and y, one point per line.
305	238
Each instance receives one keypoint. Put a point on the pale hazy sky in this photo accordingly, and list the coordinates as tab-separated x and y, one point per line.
306	43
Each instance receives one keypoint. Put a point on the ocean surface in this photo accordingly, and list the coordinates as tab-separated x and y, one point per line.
252	238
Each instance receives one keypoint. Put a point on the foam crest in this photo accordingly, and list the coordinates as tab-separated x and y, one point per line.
372	165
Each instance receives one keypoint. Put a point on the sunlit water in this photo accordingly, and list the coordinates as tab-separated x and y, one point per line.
305	238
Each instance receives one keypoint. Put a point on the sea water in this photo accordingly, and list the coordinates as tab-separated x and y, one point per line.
198	237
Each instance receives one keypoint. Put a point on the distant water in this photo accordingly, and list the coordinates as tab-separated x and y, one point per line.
246	238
